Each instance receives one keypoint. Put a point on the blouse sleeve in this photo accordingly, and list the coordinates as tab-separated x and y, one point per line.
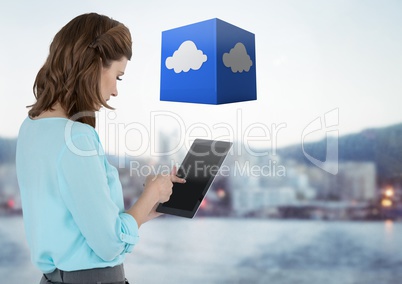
84	188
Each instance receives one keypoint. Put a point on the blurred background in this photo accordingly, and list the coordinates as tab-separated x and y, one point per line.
312	189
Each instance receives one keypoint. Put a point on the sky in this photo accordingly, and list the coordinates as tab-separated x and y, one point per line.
334	62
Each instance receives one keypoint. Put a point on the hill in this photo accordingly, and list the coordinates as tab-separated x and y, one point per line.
383	146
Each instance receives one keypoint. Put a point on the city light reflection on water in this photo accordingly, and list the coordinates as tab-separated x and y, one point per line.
389	232
389	226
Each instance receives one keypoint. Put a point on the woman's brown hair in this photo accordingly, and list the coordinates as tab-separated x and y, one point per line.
72	71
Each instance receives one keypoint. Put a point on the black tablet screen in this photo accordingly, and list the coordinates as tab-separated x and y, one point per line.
197	169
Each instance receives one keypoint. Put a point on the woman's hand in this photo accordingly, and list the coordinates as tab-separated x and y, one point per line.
158	189
174	177
162	184
159	186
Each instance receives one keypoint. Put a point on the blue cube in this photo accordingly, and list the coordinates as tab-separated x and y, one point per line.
210	62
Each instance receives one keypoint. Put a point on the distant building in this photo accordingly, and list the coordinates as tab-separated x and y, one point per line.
355	181
251	199
358	181
277	184
170	147
9	190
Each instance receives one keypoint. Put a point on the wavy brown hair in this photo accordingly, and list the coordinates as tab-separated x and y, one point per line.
72	72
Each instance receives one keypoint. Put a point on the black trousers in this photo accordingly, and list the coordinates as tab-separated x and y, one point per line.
107	275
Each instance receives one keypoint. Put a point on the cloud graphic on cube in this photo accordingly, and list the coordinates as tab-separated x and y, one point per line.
237	59
185	58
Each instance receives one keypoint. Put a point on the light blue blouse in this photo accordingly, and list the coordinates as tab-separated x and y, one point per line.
71	196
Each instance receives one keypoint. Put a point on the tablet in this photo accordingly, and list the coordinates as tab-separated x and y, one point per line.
199	168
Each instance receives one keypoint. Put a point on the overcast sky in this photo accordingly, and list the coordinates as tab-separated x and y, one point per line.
312	57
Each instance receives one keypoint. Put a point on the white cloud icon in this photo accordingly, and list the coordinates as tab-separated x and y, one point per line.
237	59
185	58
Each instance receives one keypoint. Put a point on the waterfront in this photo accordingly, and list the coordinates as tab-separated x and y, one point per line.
222	250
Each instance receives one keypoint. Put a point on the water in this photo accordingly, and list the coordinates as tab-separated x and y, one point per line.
214	250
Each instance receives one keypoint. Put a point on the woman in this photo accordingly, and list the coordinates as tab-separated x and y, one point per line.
74	217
